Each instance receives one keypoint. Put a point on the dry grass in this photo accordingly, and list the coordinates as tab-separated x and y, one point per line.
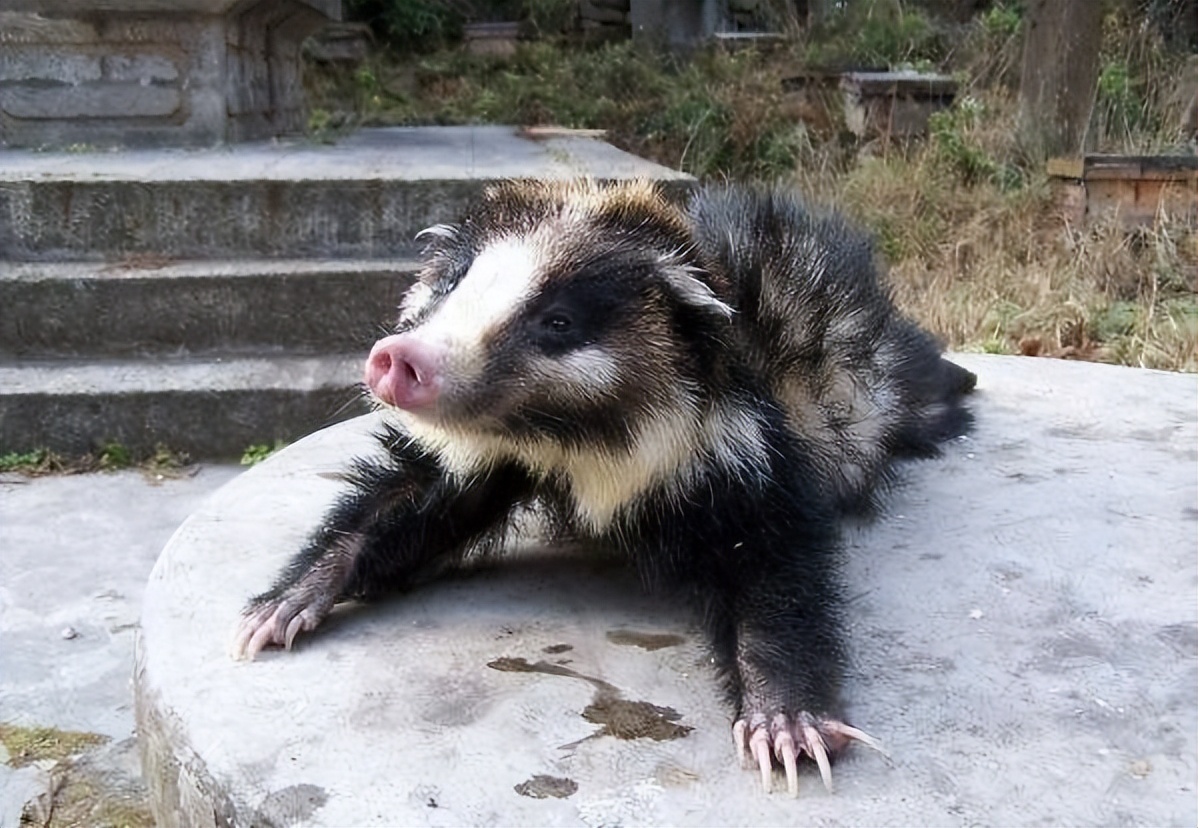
992	266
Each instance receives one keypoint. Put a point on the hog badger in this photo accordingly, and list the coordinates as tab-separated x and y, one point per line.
707	389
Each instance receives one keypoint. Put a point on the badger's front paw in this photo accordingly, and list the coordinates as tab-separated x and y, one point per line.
763	738
277	620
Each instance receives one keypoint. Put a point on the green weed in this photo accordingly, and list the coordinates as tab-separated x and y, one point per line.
32	463
255	454
113	456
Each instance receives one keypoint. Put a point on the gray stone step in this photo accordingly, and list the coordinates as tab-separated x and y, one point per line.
161	307
364	197
210	408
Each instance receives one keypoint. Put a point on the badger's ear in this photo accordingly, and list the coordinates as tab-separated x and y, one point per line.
692	290
438	231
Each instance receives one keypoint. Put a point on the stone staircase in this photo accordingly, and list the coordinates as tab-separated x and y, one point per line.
211	300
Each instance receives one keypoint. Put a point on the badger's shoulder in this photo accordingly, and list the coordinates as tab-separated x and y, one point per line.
783	261
816	321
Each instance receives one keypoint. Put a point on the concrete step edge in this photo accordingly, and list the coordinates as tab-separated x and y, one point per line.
301	306
83	377
137	269
208	408
477	154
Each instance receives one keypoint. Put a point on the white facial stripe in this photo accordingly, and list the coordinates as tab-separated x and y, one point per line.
500	280
591	370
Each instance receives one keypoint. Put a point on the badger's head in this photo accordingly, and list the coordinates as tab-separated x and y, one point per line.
560	325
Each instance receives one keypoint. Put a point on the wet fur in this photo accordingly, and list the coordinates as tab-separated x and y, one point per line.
750	383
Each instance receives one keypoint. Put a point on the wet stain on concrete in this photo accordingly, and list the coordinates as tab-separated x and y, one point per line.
672	775
1154	435
1067	650
617	716
543	787
1073	432
1182	638
626	719
922	663
451	701
555	649
292	805
644	640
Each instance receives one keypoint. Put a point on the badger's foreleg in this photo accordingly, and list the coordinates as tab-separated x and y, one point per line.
787	659
401	522
763	556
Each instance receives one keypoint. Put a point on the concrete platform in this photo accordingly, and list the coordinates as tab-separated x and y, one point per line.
358	198
75	551
1023	623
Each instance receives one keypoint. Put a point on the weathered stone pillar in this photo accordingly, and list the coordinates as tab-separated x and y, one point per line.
679	24
153	72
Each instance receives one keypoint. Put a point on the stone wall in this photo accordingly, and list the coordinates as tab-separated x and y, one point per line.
153	73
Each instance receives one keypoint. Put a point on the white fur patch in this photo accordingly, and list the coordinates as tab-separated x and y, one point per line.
671	447
737	441
603	483
589	372
414	300
498	283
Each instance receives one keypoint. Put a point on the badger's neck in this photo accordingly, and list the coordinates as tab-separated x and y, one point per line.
671	452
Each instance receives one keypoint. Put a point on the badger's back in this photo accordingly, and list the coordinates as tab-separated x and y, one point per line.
859	382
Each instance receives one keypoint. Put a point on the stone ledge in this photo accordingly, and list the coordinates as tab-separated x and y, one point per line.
329	8
209	407
364	197
1024	630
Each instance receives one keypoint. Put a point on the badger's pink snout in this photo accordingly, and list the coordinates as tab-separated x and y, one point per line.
405	371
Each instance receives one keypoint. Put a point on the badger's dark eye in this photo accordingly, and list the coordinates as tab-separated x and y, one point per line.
556	323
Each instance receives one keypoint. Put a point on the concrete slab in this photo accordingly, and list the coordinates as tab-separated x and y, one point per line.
75	551
74	555
364	197
1024	628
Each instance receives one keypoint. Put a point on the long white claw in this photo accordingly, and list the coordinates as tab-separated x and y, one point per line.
861	736
293	629
240	639
819	752
759	744
740	740
261	637
784	748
